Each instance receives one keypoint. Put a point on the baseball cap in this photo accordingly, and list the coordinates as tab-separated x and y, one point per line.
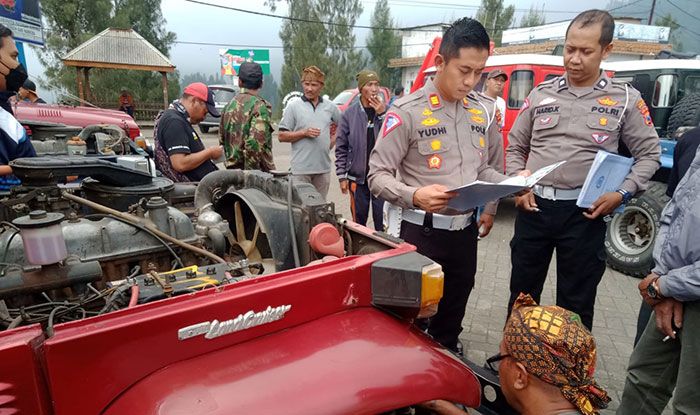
29	85
250	72
497	72
201	91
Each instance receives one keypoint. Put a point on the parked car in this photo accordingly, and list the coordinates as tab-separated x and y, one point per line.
223	94
671	90
74	116
350	96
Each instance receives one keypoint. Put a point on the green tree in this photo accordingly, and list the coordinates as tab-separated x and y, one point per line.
669	21
71	22
533	17
495	18
384	44
269	90
314	41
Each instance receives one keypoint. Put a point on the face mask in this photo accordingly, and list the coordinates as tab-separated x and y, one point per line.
15	79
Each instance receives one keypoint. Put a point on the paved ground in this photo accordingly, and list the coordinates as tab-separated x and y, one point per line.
615	311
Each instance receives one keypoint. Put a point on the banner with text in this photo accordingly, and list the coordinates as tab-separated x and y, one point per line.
24	19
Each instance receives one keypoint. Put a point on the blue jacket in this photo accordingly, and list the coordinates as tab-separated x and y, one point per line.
351	143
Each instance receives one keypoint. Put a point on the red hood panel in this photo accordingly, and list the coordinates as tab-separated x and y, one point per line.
356	361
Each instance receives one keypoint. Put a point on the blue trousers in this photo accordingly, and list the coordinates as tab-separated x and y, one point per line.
360	200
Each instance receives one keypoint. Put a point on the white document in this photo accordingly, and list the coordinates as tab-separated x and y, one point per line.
479	193
606	175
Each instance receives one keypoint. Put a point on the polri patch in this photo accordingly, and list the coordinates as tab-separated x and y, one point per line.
434	162
391	121
600	138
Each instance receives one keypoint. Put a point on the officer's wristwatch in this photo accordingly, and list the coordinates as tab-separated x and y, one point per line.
626	196
653	289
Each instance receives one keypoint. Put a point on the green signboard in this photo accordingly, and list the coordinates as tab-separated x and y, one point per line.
231	59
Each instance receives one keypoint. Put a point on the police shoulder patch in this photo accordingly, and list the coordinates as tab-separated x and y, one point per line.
391	122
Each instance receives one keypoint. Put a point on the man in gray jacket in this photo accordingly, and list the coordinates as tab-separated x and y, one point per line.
667	355
357	132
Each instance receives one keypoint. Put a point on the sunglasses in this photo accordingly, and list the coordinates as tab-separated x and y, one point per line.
493	361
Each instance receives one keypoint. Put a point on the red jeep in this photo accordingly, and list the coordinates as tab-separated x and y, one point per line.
29	114
274	305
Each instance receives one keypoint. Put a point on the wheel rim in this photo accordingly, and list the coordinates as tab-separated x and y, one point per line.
633	231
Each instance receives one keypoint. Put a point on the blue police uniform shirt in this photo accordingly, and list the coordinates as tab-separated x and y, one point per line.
14	144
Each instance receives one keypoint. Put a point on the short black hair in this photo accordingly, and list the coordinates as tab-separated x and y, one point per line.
250	84
4	32
464	33
398	90
595	16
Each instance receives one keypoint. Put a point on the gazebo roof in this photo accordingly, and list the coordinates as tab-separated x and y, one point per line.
118	49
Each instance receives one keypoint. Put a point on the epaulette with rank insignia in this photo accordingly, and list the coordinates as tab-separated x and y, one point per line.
406	99
548	83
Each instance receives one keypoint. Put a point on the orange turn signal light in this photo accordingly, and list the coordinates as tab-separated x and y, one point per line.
432	285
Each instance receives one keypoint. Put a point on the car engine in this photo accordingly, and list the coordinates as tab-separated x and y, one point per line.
113	238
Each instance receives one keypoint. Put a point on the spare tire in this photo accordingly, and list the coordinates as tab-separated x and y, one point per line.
686	112
629	240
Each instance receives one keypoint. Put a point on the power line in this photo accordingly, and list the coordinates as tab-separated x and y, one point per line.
356	26
683	11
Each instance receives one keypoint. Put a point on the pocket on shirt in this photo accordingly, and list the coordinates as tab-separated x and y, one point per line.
430	146
545	122
602	122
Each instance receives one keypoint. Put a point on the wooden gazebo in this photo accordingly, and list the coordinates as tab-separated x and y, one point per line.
117	49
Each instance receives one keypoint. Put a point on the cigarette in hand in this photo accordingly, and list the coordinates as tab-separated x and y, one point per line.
667	338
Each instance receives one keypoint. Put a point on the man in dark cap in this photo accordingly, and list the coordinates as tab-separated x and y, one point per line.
27	92
246	124
495	81
180	153
357	133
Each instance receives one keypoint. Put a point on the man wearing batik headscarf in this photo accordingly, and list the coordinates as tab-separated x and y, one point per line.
547	362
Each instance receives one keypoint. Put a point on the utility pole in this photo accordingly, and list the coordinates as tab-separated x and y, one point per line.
651	12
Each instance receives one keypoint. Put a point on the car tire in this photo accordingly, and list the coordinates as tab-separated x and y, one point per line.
203	129
685	113
629	240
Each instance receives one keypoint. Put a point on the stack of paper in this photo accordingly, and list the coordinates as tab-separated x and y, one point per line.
479	193
606	175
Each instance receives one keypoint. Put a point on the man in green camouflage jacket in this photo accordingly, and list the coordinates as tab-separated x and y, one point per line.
246	126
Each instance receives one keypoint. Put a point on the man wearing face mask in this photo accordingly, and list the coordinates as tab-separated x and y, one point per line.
14	142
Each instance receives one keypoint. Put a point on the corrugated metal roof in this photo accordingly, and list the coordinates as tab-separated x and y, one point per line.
118	47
